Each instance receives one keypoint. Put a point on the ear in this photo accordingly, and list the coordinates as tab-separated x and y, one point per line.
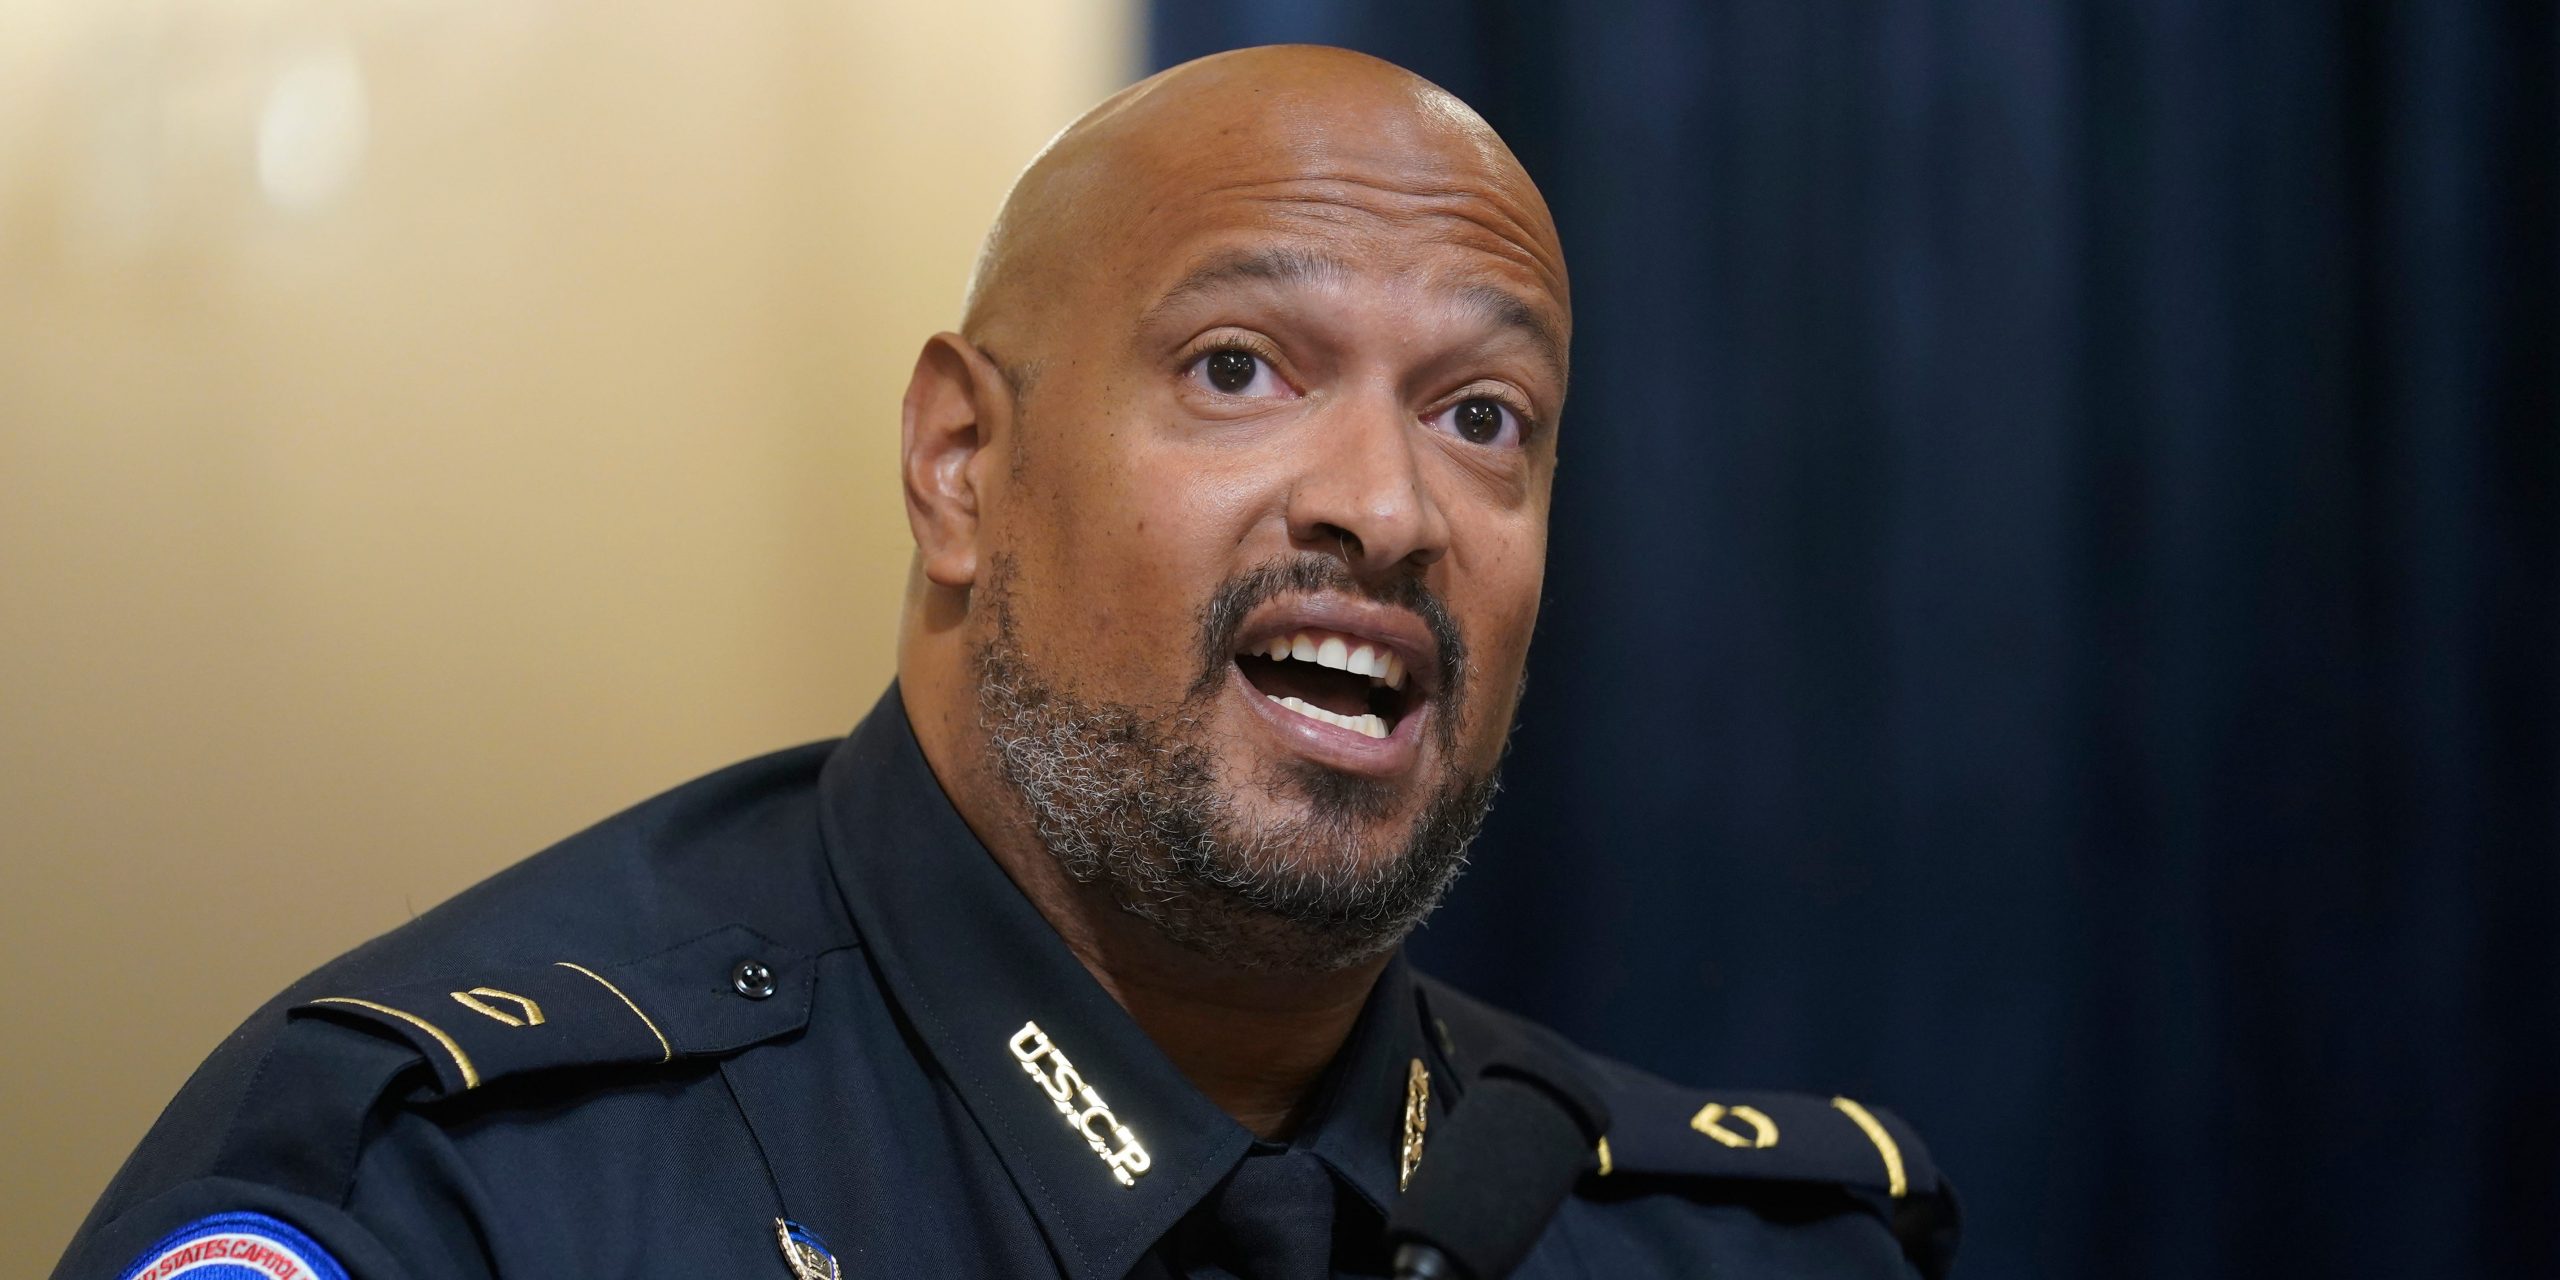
958	414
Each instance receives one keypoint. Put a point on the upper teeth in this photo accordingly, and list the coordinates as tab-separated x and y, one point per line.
1358	657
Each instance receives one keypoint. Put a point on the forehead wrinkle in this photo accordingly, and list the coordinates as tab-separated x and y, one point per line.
1469	204
1503	306
1281	264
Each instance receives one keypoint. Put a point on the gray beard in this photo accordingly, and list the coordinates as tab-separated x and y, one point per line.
1131	803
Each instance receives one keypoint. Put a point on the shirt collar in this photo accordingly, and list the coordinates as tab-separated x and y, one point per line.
993	992
1358	1124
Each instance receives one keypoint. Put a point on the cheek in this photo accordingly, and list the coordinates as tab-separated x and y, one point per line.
1128	542
1156	522
1506	590
1507	561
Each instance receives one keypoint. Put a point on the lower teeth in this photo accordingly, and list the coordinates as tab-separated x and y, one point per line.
1370	725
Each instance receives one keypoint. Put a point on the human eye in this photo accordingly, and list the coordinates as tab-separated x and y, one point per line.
1235	370
1482	420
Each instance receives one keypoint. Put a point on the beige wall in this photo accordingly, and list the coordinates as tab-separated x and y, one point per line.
424	429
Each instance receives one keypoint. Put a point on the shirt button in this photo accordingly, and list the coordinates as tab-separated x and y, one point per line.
752	979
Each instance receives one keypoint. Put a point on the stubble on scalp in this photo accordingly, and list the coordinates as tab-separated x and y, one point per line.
1132	802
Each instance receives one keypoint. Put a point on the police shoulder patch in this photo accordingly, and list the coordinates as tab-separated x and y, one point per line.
236	1246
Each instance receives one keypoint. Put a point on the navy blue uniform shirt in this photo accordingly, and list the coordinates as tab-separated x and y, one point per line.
793	1020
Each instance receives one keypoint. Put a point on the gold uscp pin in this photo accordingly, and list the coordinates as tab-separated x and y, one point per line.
1417	1116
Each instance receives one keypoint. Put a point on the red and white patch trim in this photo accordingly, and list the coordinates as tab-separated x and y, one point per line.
236	1246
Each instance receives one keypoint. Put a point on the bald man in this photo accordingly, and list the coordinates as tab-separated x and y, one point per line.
1079	957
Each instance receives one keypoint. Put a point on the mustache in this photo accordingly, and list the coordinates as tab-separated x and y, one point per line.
1222	618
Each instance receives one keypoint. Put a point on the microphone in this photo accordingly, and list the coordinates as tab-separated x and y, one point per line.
1504	1160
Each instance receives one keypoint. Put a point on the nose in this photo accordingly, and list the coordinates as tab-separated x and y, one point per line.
1362	492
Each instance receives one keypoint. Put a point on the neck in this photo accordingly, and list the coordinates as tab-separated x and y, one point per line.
1255	1042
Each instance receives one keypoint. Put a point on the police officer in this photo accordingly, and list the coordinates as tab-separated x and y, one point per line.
1079	956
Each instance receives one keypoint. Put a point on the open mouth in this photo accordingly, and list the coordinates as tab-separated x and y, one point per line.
1331	678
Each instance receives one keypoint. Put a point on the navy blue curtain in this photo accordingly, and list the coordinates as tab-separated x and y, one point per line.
2054	618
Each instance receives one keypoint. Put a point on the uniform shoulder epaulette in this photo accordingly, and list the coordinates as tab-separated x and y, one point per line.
267	1142
297	1129
713	994
1661	1130
1665	1129
1736	1139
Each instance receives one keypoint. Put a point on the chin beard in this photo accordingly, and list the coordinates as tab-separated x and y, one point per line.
1131	803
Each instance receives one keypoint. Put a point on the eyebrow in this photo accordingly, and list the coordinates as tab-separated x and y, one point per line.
1282	265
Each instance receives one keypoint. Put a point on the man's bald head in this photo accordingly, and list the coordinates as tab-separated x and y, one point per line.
1332	131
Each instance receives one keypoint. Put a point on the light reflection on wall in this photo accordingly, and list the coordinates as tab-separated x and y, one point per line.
312	127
